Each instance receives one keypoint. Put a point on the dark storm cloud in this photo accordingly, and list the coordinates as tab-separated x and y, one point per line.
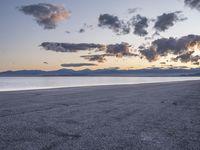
176	46
167	20
78	65
70	47
46	15
140	24
114	23
194	4
99	57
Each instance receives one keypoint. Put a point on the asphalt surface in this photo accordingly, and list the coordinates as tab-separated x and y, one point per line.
160	116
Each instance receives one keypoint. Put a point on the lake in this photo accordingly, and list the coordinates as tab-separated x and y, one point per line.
29	83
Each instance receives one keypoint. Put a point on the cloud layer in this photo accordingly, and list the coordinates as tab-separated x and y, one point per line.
99	57
70	47
112	50
78	65
150	54
194	4
46	15
122	49
116	50
167	20
119	50
182	47
188	57
140	23
114	23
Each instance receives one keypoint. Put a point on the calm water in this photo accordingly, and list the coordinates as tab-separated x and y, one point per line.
28	83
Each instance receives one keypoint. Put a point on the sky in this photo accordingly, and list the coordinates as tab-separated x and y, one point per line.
93	34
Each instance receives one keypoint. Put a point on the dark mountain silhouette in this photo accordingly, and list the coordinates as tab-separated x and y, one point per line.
104	72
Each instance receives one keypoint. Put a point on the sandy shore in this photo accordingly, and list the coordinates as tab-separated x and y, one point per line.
160	116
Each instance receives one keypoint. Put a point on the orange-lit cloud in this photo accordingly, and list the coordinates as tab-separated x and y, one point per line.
183	48
46	15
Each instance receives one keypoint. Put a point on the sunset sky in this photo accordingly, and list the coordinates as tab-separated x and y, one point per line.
97	34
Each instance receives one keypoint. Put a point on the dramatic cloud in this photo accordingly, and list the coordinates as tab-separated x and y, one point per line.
99	57
188	57
46	15
114	23
140	24
167	20
115	50
111	50
119	50
176	46
150	54
195	60
183	46
71	47
78	65
122	49
194	4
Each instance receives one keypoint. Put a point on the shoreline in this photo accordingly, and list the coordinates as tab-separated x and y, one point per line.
82	86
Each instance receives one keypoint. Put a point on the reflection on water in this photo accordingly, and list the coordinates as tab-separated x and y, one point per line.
27	83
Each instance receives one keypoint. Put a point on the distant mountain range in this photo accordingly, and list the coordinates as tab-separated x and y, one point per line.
104	72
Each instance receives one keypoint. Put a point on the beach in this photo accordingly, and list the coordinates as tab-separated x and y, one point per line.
152	116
